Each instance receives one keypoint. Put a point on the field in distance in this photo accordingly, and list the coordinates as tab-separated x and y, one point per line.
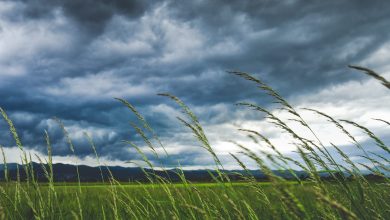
186	200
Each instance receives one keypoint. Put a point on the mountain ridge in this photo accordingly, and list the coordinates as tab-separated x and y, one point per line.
68	173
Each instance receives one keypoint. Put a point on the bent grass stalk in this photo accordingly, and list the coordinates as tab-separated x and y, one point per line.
350	195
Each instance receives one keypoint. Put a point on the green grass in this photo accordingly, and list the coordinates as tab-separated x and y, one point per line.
355	197
209	200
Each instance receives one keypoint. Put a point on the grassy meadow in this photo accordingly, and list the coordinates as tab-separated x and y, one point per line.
346	194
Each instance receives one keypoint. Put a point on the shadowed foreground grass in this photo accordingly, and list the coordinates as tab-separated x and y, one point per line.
350	195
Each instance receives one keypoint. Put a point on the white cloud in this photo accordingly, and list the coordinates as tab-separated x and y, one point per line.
13	155
353	100
353	48
124	38
22	117
161	38
76	132
379	58
98	86
23	43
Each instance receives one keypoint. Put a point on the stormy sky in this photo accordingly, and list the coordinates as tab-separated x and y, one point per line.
70	59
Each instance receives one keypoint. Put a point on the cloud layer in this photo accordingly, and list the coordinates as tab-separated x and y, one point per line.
67	59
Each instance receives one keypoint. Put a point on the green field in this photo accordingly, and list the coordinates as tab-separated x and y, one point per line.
191	201
347	194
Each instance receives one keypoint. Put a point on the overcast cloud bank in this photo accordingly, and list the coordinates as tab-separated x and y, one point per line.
69	60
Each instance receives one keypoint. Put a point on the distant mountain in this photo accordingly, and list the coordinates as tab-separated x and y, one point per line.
68	173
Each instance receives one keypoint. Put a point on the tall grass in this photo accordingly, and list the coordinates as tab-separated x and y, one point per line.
349	196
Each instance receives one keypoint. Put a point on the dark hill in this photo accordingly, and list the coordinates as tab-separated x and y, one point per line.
68	173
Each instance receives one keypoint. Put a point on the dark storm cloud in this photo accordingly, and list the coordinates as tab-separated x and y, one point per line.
89	14
70	58
293	39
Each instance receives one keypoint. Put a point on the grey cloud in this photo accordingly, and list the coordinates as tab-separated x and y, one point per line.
91	15
134	49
